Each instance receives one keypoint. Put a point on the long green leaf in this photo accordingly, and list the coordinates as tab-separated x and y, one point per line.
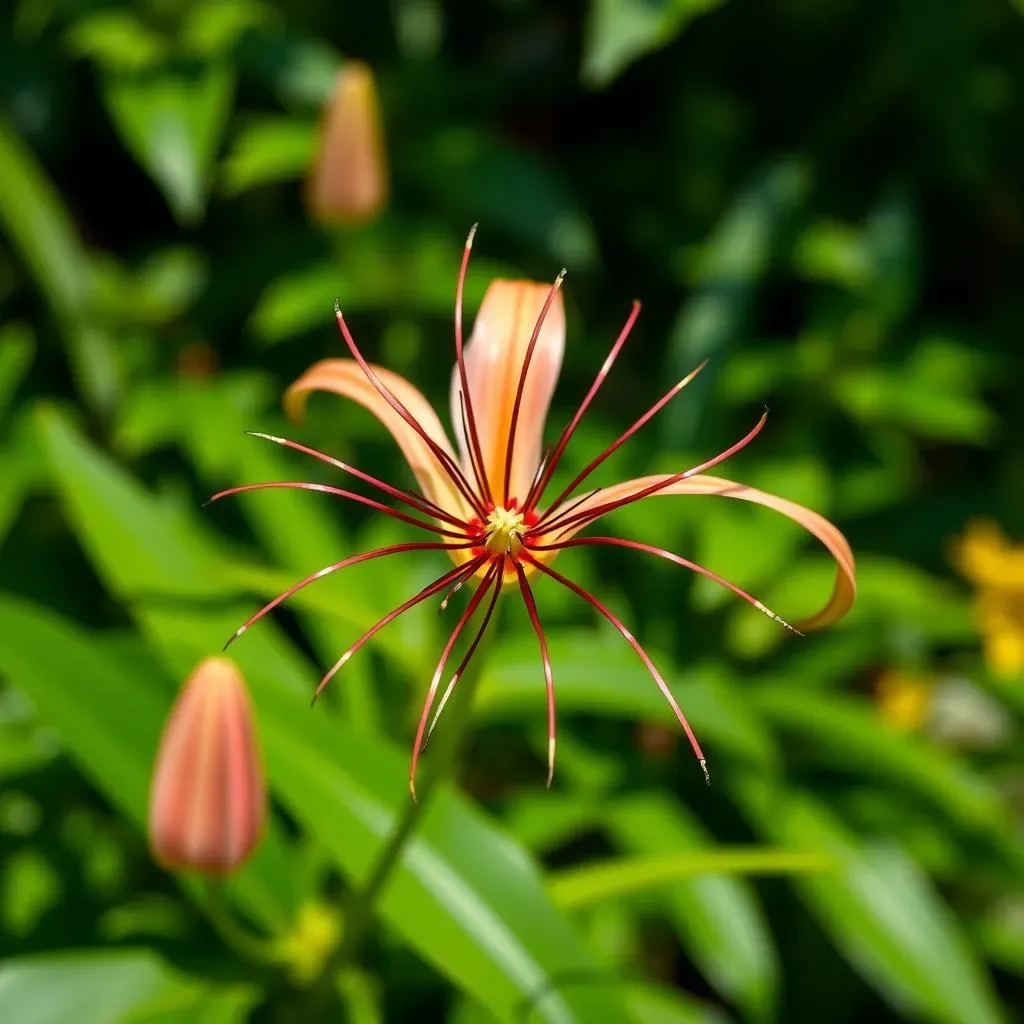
580	886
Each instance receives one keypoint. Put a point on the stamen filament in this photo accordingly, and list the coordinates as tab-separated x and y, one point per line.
672	557
591	515
474	602
366	556
531	610
622	439
544	477
464	663
452	469
428	591
527	359
635	644
472	434
416	501
338	492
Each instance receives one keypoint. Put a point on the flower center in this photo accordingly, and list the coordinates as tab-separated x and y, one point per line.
503	532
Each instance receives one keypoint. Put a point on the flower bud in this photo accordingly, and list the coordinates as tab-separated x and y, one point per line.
348	184
207	804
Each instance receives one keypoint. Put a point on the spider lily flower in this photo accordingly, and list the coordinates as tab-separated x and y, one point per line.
207	801
485	498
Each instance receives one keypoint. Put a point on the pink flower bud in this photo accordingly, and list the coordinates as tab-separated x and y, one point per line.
348	183
207	802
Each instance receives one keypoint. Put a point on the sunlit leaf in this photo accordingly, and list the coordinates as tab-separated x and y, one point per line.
620	31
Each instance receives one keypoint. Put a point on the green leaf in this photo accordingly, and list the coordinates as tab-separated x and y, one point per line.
466	898
114	987
111	727
592	883
39	226
734	260
882	914
620	31
268	151
117	41
718	919
172	120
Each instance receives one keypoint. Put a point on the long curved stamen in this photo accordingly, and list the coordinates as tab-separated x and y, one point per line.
366	556
449	689
623	438
672	557
531	610
635	644
527	359
416	501
455	474
472	434
544	476
479	473
338	492
428	591
474	602
590	515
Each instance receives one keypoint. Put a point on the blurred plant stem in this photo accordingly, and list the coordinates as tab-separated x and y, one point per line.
438	769
233	933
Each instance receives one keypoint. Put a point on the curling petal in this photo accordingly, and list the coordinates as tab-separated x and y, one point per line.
345	377
845	589
494	362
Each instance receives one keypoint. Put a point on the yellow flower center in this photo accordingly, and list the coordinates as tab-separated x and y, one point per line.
504	532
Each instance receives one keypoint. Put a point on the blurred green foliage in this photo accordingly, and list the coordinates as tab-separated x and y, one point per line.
826	199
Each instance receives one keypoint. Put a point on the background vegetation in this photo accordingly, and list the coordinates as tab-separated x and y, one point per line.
825	197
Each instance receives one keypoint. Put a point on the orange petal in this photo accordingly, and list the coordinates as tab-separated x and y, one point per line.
207	801
494	362
348	183
845	589
345	377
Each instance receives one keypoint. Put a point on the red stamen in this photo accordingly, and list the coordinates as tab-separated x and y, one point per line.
619	442
543	478
455	474
428	591
531	610
593	514
462	664
476	463
472	435
672	557
366	556
338	492
416	501
513	422
635	644
428	702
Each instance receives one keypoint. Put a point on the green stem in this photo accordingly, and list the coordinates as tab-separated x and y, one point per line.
235	935
361	909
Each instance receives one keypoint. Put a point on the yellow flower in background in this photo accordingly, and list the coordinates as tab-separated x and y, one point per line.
996	568
903	699
348	183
